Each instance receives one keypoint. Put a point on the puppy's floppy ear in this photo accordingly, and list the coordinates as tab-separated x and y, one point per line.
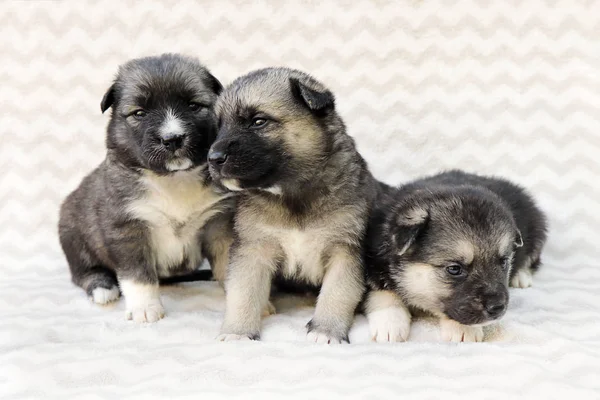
519	239
215	84
108	99
410	222
316	101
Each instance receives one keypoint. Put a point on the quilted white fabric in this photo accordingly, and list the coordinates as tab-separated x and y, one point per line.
503	87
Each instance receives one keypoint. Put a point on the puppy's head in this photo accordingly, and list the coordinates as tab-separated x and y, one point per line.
453	250
276	126
163	117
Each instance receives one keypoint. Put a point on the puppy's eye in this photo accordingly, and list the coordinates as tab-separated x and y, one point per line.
139	114
193	106
454	270
504	261
258	122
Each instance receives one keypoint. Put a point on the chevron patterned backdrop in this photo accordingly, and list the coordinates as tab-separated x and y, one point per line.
500	87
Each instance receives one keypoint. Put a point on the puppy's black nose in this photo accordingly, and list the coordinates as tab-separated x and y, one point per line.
217	158
172	142
495	306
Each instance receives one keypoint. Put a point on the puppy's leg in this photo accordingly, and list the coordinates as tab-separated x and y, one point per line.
143	301
389	318
216	242
138	278
99	282
247	287
452	331
341	291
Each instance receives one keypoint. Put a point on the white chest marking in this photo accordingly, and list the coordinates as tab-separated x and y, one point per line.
175	208
303	254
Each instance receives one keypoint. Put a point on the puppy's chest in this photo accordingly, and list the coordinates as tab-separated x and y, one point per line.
175	208
303	252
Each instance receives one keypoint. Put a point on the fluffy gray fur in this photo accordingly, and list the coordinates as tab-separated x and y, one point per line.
150	210
305	197
450	244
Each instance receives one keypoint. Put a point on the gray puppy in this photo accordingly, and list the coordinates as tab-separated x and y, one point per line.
305	197
150	210
449	244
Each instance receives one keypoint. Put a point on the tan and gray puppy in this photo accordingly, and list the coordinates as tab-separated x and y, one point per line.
305	196
449	244
150	210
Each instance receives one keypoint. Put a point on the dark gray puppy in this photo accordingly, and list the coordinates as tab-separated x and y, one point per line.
449	244
150	210
305	197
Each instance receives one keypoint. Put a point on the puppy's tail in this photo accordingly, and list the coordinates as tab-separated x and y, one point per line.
198	275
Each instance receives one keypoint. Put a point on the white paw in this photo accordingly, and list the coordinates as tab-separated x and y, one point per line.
105	296
268	310
389	324
231	337
452	331
522	279
322	338
151	312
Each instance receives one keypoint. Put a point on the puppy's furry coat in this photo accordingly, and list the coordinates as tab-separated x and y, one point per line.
150	210
305	197
449	244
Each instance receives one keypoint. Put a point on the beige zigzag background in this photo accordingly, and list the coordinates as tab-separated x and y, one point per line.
499	87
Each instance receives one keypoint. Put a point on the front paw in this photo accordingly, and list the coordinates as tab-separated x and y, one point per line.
318	333
452	331
104	296
522	279
150	312
230	334
389	324
232	337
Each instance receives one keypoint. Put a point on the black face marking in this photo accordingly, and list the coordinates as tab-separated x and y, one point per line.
260	127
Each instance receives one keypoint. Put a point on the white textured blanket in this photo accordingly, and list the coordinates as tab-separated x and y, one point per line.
505	87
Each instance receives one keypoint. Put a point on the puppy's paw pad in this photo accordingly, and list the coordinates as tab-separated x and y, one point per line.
232	337
268	310
452	331
104	296
389	325
148	313
522	279
315	336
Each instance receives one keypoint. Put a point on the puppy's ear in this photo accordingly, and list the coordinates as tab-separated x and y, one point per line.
519	239
108	99
215	84
319	102
410	222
